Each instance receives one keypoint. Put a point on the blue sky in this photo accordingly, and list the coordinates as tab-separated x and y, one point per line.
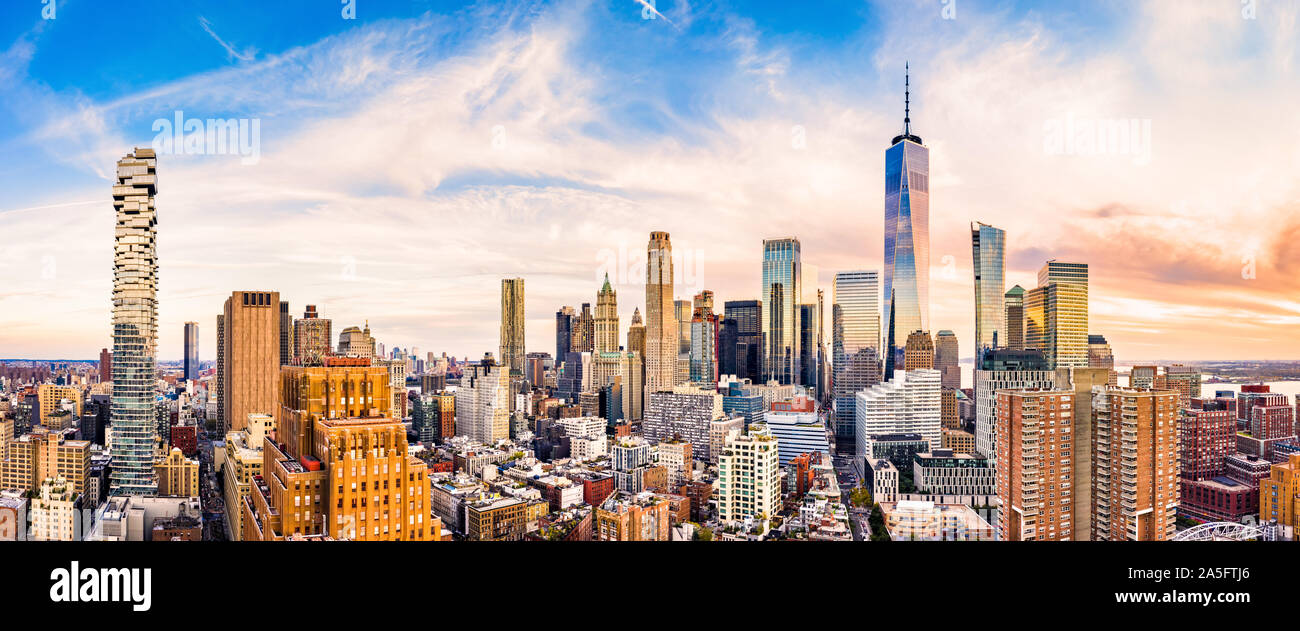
430	148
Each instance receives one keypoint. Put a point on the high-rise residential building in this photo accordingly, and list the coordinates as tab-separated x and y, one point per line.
748	354
192	351
855	346
564	321
105	365
907	238
661	333
1014	320
606	320
135	324
704	341
1100	356
1035	482
1002	370
1185	380
1082	381
749	470
918	353
248	366
482	403
1056	314
512	325
1143	377
910	403
1207	435
1134	464
782	275
687	412
313	337
286	335
946	358
988	250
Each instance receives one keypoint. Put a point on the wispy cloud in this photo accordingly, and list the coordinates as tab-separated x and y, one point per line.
248	53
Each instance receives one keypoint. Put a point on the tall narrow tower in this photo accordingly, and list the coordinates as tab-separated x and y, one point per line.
606	322
661	334
512	324
135	320
989	255
907	238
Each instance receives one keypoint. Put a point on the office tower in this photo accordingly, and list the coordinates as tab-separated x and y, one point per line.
286	335
748	315
50	399
178	476
728	342
797	428
1100	356
812	348
243	463
686	412
357	342
1035	483
1185	380
636	344
482	403
564	322
105	365
248	366
606	321
661	334
782	274
907	404
339	468
907	238
313	337
749	482
683	312
1082	381
988	249
575	377
855	346
918	354
1056	314
512	325
192	351
623	369
584	331
1134	464
946	354
1279	493
135	318
1002	370
1014	301
1143	376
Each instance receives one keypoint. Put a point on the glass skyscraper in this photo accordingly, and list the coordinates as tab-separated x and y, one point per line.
855	345
781	297
907	240
135	321
192	351
989	254
1056	314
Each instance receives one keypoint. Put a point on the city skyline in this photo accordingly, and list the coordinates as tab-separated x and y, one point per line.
813	141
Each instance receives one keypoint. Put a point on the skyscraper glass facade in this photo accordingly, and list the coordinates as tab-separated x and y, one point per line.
855	345
781	278
988	251
135	317
907	244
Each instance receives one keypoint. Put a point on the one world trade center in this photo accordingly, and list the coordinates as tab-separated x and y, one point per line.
907	238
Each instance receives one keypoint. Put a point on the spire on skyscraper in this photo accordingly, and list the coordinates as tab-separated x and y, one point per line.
907	108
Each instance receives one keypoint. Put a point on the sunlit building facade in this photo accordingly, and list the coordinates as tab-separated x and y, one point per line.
781	295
